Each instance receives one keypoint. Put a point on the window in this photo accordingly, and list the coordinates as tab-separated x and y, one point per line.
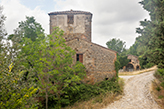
70	19
79	57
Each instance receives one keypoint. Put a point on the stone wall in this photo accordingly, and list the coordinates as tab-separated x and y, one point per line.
81	26
98	60
134	61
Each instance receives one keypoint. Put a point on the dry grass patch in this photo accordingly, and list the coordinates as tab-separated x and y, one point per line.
100	101
158	93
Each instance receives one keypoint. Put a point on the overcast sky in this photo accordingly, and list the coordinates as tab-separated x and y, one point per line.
111	18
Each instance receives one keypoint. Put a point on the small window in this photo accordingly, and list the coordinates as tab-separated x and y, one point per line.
70	19
79	57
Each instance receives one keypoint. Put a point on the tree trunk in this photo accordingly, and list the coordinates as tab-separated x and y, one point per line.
46	99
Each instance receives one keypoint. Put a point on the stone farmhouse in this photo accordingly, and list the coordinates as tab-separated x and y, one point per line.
133	64
98	60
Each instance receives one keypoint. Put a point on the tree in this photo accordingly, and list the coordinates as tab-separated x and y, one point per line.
153	31
14	93
51	59
122	60
2	28
116	45
119	46
29	29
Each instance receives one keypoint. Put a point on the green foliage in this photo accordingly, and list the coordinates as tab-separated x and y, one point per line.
149	65
160	97
152	33
123	61
119	46
51	61
138	48
158	88
159	74
133	50
116	45
14	92
84	92
2	28
162	84
149	45
117	66
2	25
145	63
28	29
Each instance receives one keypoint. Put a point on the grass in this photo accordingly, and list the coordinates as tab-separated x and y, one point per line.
99	101
160	97
158	93
137	72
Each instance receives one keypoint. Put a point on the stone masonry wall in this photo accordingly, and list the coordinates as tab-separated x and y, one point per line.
134	61
99	61
80	28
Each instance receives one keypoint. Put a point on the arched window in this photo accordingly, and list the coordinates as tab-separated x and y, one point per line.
137	68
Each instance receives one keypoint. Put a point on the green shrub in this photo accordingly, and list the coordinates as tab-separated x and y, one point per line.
144	62
148	65
158	88
117	65
159	73
162	84
84	92
160	97
122	60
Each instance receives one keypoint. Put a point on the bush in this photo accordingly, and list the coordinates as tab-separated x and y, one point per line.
84	92
122	60
148	65
144	62
159	74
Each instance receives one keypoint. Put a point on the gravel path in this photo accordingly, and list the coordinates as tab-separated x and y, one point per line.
137	94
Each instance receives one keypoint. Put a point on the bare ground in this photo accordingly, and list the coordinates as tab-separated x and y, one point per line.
136	93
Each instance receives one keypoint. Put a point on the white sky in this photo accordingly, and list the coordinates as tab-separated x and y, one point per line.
111	18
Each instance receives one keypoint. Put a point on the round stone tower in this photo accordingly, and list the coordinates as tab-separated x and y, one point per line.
74	23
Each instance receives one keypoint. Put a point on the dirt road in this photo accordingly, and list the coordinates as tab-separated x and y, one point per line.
137	94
